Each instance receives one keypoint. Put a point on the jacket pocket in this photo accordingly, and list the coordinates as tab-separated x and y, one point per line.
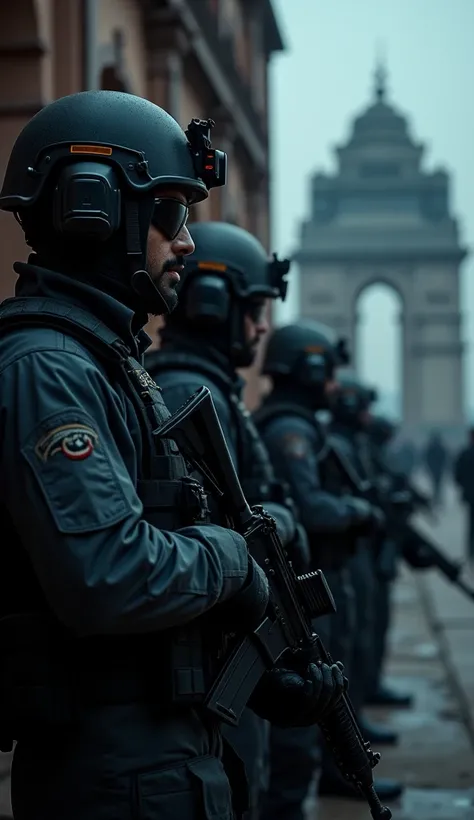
197	789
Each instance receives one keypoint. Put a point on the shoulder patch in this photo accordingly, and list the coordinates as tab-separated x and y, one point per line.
294	445
74	441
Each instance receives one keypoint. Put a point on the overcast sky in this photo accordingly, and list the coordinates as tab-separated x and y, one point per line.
326	77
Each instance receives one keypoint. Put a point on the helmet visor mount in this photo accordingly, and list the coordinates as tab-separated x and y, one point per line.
132	165
278	270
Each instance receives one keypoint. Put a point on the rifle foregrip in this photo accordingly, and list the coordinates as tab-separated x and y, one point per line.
353	755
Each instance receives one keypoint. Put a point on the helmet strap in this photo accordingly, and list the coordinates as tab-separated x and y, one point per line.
141	281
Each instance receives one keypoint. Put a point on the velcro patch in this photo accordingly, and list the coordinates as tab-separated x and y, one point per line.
75	441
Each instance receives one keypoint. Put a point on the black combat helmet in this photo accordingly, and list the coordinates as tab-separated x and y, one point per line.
305	353
86	169
351	400
381	430
228	273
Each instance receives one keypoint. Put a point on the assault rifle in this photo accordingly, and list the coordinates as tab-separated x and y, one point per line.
417	550
295	601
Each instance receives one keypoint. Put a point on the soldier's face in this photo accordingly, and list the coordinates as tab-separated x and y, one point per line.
255	324
165	256
331	389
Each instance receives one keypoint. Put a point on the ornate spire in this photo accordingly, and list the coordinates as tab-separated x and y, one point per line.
380	75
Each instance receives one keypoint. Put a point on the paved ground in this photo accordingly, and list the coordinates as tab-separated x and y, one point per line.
431	655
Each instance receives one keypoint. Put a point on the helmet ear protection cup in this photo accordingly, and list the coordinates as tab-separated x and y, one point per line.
87	201
311	369
207	300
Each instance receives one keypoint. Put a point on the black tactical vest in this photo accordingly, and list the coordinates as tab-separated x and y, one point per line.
253	463
186	657
331	551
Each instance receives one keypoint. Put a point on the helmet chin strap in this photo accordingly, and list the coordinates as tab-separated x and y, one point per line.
141	282
153	301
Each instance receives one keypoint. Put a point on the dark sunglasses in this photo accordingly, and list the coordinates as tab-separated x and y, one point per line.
169	216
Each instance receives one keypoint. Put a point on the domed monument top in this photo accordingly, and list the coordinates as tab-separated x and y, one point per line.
382	217
380	122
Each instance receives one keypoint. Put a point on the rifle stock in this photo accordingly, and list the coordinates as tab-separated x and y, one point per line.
295	601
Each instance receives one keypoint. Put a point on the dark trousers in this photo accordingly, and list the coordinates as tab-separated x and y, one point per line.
250	741
292	761
338	634
293	753
381	624
384	575
363	581
123	763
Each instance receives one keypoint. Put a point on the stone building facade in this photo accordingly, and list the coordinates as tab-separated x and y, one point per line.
196	58
383	218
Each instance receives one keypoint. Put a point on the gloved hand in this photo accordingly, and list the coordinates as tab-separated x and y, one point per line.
287	698
366	518
246	609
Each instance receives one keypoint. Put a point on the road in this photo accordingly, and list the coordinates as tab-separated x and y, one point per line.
431	654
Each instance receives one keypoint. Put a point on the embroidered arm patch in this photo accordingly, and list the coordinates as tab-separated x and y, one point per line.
78	472
74	441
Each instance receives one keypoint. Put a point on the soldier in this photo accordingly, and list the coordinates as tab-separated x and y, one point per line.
436	458
350	409
112	574
216	329
301	360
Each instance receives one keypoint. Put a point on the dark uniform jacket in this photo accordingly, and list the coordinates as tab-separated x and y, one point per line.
70	449
296	443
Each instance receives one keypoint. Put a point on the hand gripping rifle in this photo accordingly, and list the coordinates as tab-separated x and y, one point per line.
295	601
417	550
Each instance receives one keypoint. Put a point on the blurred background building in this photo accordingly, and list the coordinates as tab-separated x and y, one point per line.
382	218
196	58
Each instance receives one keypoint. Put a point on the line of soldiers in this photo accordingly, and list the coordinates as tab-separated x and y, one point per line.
284	462
124	583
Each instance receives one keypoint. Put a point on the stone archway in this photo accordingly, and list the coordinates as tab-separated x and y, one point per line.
383	218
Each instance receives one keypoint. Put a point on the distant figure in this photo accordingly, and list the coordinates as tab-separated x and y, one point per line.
463	474
435	459
405	458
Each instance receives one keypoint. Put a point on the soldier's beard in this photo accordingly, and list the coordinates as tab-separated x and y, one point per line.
166	281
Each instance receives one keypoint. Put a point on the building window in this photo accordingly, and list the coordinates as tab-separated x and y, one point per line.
113	76
438	297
